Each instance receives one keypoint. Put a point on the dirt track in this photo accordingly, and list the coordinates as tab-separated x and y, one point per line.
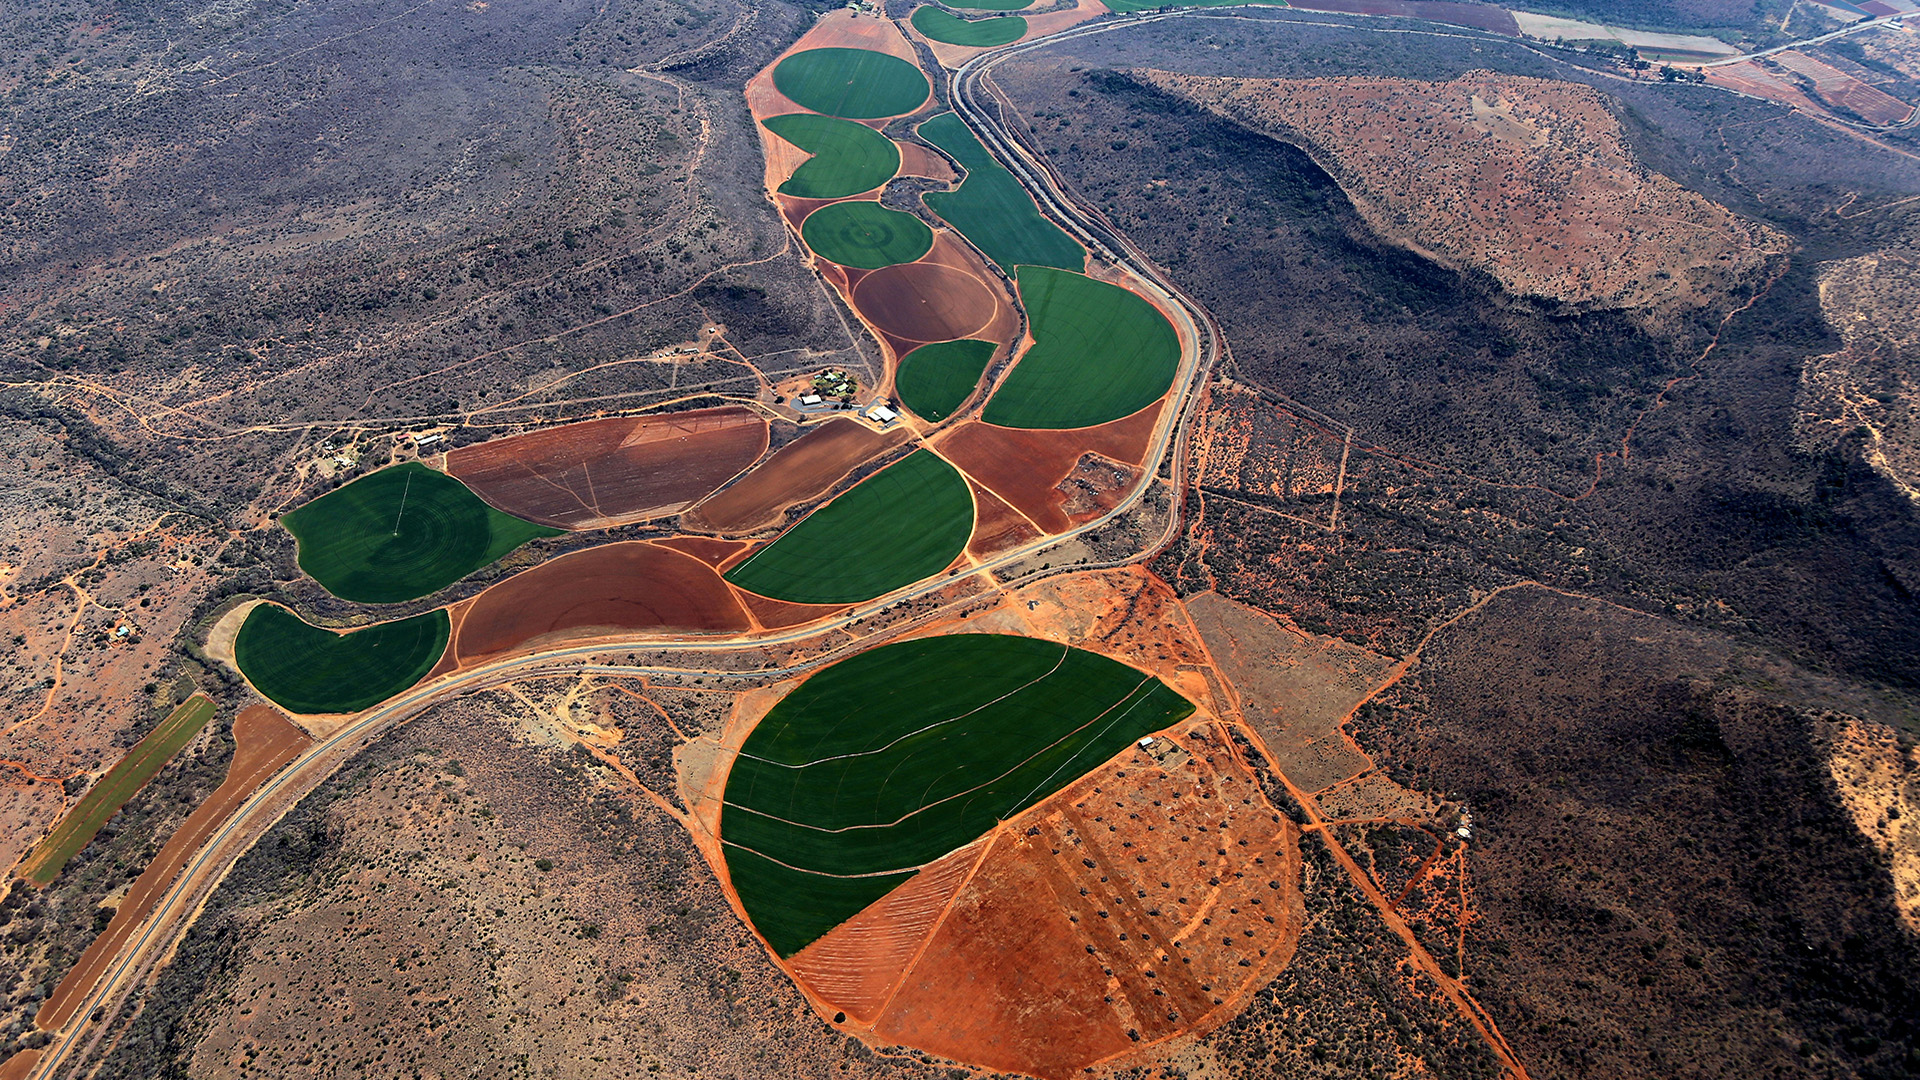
265	741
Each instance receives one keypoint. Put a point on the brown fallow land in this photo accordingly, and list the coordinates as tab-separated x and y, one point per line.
801	471
1144	901
1844	90
1497	20
1026	467
265	740
997	526
600	473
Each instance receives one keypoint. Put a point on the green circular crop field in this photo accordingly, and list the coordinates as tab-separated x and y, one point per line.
934	379
865	235
894	757
310	669
401	533
989	5
848	158
858	84
985	33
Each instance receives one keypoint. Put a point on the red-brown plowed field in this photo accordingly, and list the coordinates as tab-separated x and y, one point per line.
997	527
711	550
800	471
917	160
856	965
599	473
1147	899
1479	16
779	614
20	1065
1025	467
1869	102
925	301
629	586
264	741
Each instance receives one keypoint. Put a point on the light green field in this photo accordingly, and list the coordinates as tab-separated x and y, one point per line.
991	5
865	234
105	798
858	84
889	760
401	533
985	33
1099	353
309	669
906	522
991	208
848	158
934	379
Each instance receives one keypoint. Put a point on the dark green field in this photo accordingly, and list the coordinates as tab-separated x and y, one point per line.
865	234
105	798
991	208
991	5
1099	353
308	669
906	522
858	84
889	760
985	33
848	158
401	533
934	379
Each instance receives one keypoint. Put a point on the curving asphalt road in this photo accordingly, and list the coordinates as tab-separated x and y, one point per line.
1202	346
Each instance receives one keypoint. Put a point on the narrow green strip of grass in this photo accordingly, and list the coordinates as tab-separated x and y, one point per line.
934	379
848	158
105	799
310	669
984	33
990	207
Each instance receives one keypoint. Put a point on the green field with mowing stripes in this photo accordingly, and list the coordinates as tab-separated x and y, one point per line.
1099	353
401	533
105	798
889	760
935	379
985	33
865	234
906	522
309	669
991	208
858	84
848	158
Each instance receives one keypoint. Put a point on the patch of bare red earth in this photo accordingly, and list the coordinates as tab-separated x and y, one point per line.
1143	902
715	552
265	740
601	473
1844	90
1487	17
798	472
997	527
1025	467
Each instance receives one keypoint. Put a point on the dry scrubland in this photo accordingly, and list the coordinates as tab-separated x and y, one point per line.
1870	388
1526	179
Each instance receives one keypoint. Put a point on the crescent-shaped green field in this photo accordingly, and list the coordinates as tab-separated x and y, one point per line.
943	27
401	533
906	522
886	761
1099	353
857	84
310	669
848	158
934	379
865	235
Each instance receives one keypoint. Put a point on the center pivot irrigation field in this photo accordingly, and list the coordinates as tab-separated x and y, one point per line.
906	522
309	669
990	207
1099	353
401	533
983	33
858	84
865	235
848	158
887	761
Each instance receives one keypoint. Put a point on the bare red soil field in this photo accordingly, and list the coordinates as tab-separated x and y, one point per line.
599	473
629	586
1868	102
1144	901
804	469
1480	16
20	1065
925	301
711	550
264	741
779	614
997	526
1026	467
917	160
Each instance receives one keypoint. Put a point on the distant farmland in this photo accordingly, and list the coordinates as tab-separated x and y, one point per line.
889	760
309	669
401	533
105	799
986	33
